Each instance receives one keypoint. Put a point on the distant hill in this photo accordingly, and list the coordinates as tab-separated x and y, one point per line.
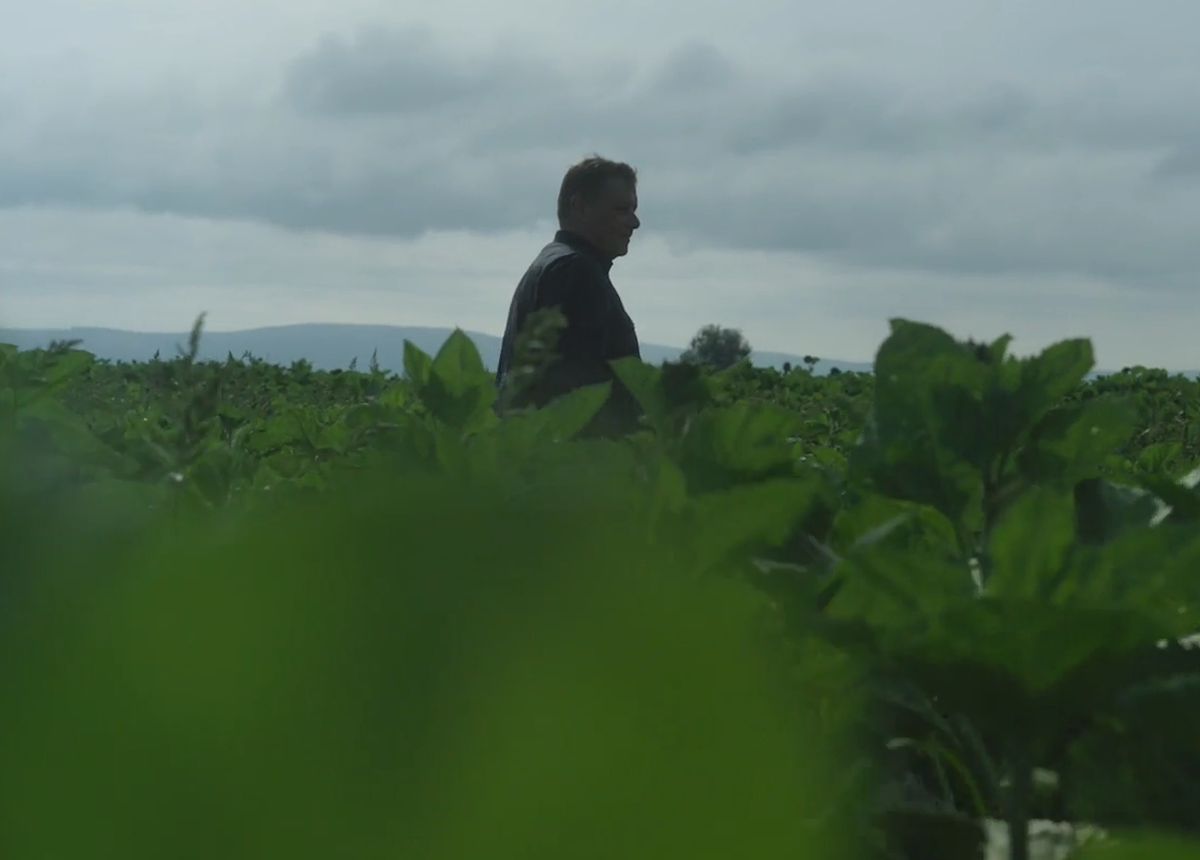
327	346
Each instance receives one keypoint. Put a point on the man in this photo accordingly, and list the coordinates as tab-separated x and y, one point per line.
597	214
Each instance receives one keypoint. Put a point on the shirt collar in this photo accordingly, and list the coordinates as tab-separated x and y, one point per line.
574	240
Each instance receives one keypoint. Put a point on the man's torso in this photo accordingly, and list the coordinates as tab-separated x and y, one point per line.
619	333
572	275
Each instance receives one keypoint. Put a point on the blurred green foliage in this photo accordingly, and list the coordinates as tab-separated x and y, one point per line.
251	611
435	669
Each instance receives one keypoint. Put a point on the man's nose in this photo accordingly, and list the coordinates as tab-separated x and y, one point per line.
637	222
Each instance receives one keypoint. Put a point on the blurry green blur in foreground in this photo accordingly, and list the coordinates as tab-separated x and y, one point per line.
219	640
426	670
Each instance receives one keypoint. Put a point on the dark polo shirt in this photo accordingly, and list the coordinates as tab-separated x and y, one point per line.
572	275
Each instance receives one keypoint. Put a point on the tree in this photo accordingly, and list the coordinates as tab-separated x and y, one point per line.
717	347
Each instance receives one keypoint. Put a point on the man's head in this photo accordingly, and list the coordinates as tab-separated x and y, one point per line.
598	201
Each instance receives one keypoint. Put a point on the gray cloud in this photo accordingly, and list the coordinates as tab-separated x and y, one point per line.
1183	162
696	67
386	134
384	71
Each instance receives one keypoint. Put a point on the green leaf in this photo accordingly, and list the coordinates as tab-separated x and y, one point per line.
742	442
401	672
747	516
1021	391
1070	443
1030	545
894	587
1022	669
1107	509
69	433
526	433
1149	570
1157	457
66	365
461	409
1053	374
417	364
1183	501
644	382
922	442
999	349
564	417
913	470
458	364
457	390
919	525
668	487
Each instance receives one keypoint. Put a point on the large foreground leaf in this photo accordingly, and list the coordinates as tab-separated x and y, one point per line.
437	671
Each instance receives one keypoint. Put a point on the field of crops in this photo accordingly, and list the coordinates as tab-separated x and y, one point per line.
251	611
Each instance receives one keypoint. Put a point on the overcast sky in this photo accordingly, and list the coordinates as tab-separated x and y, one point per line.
806	170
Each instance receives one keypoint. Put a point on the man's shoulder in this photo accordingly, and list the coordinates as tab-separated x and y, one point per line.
557	254
559	258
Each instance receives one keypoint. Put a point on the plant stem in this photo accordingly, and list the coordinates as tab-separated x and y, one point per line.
1020	791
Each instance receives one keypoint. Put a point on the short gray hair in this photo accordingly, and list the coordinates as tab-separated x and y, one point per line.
588	177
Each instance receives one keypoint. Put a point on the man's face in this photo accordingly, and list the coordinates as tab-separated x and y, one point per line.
609	221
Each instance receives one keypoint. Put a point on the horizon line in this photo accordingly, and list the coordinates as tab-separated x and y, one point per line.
870	363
